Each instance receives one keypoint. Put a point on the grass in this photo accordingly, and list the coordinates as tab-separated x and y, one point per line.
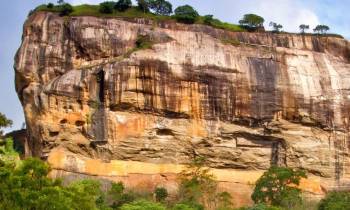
233	42
134	12
220	25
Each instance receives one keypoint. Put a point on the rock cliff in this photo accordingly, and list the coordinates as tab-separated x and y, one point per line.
99	103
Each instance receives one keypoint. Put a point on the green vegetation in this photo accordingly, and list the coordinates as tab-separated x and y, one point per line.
277	187
336	201
186	14
4	123
276	27
107	7
233	42
252	21
161	10
123	5
303	28
24	185
160	7
198	188
143	205
161	194
143	5
321	29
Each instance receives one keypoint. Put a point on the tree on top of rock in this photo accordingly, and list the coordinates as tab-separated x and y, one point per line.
303	28
161	7
123	5
321	29
186	14
252	21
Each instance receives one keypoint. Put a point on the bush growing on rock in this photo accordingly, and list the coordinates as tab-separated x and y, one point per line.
199	189
335	201
4	122
65	9
143	205
186	14
107	7
161	7
161	194
123	5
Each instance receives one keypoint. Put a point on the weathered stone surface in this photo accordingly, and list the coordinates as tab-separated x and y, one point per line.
91	99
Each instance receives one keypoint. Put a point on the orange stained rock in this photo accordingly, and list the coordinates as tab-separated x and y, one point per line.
311	185
131	125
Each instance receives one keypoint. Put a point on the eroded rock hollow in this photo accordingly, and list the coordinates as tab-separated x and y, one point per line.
98	103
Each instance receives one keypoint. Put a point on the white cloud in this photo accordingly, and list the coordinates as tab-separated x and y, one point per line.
289	13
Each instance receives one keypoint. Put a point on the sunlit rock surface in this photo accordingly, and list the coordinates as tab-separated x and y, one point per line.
96	105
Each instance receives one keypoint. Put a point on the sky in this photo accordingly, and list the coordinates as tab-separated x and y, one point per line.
289	13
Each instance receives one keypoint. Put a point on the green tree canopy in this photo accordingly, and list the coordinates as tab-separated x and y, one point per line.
303	28
143	5
4	122
321	29
252	21
276	184
123	5
161	7
65	9
186	14
107	7
276	27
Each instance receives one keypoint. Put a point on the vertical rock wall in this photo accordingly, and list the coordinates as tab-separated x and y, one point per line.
97	105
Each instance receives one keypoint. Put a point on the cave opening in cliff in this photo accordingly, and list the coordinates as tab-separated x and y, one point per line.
100	77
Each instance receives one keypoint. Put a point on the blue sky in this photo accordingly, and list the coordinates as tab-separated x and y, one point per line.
290	13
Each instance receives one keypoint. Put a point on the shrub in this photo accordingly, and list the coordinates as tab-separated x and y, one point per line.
65	9
4	122
143	205
186	14
123	5
261	207
198	188
182	206
107	7
50	5
161	7
161	194
143	42
335	201
276	184
208	19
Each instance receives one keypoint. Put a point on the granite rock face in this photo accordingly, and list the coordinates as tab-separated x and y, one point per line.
98	104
